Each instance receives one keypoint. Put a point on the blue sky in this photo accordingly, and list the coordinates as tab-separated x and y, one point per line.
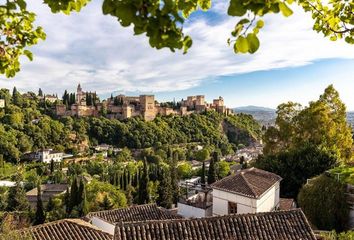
294	63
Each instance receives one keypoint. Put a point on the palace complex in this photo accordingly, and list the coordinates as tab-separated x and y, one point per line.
123	107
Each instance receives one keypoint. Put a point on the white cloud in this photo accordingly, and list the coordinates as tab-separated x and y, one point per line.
93	49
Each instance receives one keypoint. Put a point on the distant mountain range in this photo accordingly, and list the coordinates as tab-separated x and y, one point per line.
267	116
253	109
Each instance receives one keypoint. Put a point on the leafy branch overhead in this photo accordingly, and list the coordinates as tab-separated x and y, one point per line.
162	22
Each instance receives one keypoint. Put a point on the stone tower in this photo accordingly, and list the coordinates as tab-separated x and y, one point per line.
79	94
147	107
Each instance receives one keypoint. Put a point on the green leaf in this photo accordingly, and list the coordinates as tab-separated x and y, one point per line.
285	10
236	8
28	54
260	23
242	44
253	42
22	4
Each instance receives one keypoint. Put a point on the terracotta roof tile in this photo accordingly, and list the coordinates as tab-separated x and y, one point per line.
67	229
282	225
286	204
134	213
251	182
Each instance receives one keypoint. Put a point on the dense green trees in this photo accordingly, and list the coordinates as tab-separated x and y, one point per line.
296	166
324	201
323	124
27	126
307	141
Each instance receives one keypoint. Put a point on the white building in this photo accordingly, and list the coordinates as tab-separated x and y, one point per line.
47	155
248	191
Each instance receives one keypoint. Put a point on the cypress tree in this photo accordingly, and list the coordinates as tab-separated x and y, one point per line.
211	172
203	174
16	199
242	162
165	190
143	194
174	178
73	195
67	201
84	206
51	166
40	215
125	180
50	205
40	92
80	192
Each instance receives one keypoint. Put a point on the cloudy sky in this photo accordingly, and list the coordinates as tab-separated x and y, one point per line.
294	63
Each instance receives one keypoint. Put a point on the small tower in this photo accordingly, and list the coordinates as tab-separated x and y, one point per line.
79	94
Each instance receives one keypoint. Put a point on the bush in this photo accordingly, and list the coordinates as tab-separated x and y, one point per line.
323	200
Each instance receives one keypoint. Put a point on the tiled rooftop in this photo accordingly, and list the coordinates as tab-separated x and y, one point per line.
134	213
251	182
286	203
283	225
67	229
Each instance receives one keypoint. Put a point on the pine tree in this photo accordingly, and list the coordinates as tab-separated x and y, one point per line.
143	194
40	92
165	190
40	215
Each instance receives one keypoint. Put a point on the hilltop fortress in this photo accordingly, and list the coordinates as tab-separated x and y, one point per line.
123	107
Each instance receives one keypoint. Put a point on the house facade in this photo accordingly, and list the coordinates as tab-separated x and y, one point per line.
248	191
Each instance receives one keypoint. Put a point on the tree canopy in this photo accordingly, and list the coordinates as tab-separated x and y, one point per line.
324	202
163	21
323	124
307	141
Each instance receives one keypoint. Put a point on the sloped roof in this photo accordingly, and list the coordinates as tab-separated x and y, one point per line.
134	213
286	203
67	229
251	182
282	225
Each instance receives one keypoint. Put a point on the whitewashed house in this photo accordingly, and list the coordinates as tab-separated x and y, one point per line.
248	191
47	155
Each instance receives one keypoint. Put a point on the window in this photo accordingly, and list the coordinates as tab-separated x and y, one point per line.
232	208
